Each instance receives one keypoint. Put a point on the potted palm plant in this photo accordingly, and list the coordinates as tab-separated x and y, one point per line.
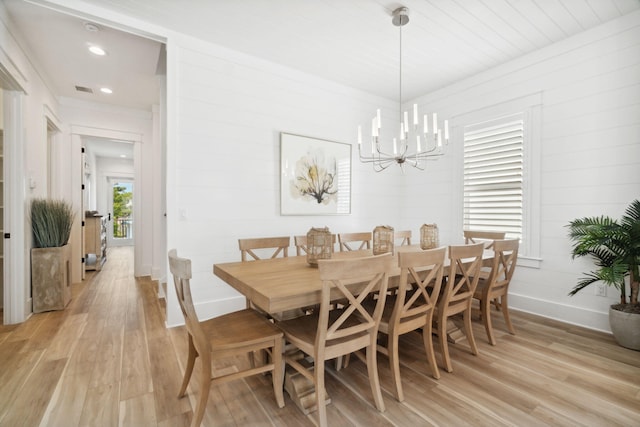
615	247
51	222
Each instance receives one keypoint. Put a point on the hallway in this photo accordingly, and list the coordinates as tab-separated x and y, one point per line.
98	362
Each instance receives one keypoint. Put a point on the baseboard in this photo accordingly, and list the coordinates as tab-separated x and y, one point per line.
209	309
579	316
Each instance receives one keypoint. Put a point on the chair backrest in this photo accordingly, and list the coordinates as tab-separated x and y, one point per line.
464	272
352	327
280	245
180	269
417	291
486	237
503	266
404	236
350	241
300	243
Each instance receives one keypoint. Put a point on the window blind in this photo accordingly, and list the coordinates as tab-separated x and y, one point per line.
493	176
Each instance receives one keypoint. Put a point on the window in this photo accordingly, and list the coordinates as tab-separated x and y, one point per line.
493	176
498	175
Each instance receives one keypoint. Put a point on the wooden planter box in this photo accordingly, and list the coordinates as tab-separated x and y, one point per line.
50	278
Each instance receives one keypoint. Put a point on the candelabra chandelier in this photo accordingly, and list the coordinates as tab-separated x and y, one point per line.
430	143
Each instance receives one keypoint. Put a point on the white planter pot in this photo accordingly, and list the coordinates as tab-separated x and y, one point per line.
625	328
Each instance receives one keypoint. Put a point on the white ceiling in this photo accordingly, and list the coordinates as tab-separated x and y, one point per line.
350	42
102	147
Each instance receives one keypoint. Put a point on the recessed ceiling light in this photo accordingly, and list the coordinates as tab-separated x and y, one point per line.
124	156
106	90
97	50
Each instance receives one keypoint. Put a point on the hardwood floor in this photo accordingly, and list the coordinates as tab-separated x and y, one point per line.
108	360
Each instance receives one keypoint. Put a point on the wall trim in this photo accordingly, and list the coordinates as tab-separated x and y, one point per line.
210	309
579	316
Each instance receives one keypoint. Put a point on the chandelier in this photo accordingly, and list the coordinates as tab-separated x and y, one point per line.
430	141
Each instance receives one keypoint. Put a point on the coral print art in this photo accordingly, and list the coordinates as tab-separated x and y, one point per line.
315	176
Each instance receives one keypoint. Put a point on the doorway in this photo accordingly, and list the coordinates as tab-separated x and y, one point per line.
121	209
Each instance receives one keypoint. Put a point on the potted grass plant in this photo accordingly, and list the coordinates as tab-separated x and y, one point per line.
615	248
51	222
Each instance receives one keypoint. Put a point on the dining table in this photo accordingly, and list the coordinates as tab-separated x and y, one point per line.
280	285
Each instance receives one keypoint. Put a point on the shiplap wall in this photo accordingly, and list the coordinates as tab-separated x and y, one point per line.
223	179
223	182
590	155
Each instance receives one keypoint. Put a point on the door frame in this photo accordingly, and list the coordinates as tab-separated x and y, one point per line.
16	295
111	180
77	134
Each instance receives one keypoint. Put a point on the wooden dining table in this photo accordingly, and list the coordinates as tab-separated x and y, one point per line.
279	285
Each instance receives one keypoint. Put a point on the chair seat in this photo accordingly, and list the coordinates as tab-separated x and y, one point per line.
303	330
389	305
239	329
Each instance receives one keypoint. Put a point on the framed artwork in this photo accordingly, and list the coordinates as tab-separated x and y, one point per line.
315	176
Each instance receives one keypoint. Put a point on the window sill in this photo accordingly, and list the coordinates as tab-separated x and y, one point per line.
529	262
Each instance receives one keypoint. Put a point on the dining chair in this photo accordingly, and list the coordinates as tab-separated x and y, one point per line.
300	243
279	245
412	307
404	236
229	335
462	279
332	333
496	287
252	248
354	241
486	237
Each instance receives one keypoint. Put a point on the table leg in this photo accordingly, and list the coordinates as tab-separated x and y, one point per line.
301	390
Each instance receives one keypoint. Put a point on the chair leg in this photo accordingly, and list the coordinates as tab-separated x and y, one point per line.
505	312
427	332
191	360
205	386
318	371
485	307
466	315
278	372
372	370
444	345
394	364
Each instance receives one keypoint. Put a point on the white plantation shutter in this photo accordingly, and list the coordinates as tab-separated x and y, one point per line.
493	176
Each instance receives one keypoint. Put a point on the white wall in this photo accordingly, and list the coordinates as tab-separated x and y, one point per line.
223	158
590	155
27	156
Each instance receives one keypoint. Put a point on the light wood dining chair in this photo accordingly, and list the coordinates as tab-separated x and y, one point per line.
354	241
250	250
226	336
332	333
404	236
412	307
496	287
486	237
251	247
300	243
463	274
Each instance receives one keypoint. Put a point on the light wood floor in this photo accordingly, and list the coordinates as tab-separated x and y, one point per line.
108	360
